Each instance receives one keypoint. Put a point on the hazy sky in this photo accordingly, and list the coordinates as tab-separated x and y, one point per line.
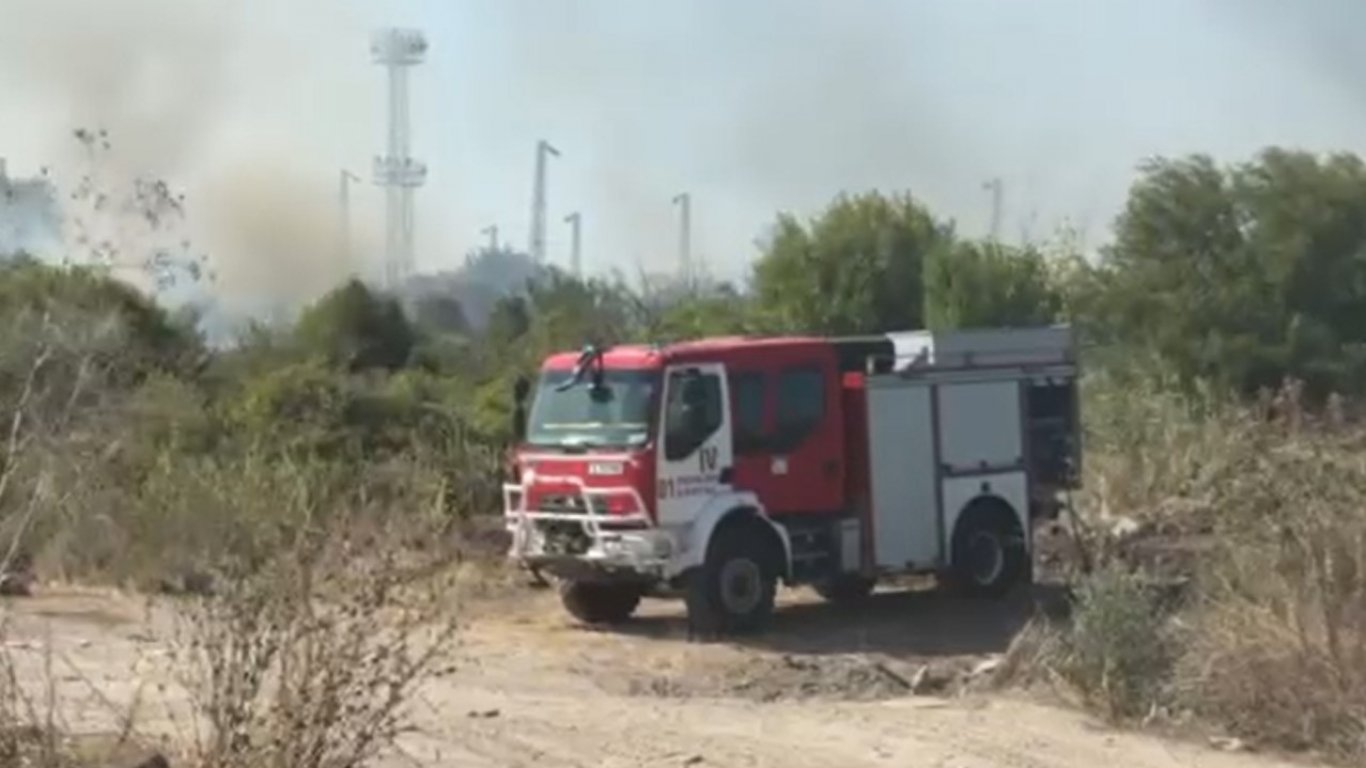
752	106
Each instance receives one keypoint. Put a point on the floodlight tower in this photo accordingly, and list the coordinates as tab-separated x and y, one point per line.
575	222
685	267
397	50
538	202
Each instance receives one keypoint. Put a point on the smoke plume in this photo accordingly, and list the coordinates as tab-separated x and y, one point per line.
155	89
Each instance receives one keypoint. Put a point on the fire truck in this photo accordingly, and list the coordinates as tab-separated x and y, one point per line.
721	468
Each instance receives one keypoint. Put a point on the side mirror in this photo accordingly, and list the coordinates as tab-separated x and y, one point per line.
520	389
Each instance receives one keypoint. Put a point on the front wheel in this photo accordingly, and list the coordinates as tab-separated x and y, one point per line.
596	603
733	591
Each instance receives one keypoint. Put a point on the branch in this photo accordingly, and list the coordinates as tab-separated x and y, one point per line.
12	445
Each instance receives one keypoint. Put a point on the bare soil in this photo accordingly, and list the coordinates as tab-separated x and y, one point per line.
890	683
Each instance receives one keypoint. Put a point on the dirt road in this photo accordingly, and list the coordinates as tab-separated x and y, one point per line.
824	688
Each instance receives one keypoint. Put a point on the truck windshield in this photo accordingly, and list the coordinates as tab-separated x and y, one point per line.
616	415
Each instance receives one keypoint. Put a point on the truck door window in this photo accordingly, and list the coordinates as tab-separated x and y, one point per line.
692	412
801	407
747	403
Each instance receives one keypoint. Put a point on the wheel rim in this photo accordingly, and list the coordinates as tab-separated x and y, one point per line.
986	557
741	586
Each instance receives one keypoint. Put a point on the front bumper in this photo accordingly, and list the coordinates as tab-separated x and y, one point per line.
606	546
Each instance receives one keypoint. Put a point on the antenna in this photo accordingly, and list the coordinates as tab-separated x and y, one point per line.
538	201
575	221
397	50
997	195
492	231
684	202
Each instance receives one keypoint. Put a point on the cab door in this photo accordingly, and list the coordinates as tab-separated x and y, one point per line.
805	445
694	446
750	414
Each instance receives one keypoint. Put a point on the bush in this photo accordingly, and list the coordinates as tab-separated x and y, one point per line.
1117	651
355	329
308	660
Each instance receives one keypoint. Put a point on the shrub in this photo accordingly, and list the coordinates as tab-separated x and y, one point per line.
1117	651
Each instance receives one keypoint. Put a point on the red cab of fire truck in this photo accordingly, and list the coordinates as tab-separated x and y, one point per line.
721	468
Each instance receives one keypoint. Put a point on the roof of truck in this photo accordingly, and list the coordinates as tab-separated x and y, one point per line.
919	350
654	356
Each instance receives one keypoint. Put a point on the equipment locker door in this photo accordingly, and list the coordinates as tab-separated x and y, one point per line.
902	473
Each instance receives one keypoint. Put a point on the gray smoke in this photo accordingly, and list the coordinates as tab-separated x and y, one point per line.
753	107
184	92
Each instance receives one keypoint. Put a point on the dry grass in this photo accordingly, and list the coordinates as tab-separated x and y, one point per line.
1271	644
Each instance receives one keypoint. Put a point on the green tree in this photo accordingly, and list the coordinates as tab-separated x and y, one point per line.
722	311
353	328
855	268
1246	274
983	284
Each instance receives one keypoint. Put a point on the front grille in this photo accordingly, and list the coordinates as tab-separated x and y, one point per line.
570	504
564	538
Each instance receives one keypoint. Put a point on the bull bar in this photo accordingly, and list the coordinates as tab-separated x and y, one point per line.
640	548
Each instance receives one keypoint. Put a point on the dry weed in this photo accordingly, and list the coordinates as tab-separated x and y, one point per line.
309	661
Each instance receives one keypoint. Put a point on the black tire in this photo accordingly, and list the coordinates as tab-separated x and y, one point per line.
845	589
733	591
989	557
598	603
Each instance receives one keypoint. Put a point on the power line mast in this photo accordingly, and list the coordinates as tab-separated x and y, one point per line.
538	201
575	221
685	266
344	219
398	50
997	203
492	231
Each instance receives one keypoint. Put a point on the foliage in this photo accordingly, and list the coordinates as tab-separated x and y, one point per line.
440	314
856	268
1116	650
355	329
1244	275
983	285
82	302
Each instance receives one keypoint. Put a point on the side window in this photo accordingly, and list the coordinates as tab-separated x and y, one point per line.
692	412
801	406
747	409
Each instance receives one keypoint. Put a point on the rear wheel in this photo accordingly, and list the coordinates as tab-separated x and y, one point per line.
989	556
598	603
733	591
845	589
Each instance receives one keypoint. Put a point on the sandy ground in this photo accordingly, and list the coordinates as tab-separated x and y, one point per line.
528	687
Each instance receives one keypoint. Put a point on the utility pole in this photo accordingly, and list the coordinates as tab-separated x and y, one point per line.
344	218
997	194
575	221
492	231
538	201
684	202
